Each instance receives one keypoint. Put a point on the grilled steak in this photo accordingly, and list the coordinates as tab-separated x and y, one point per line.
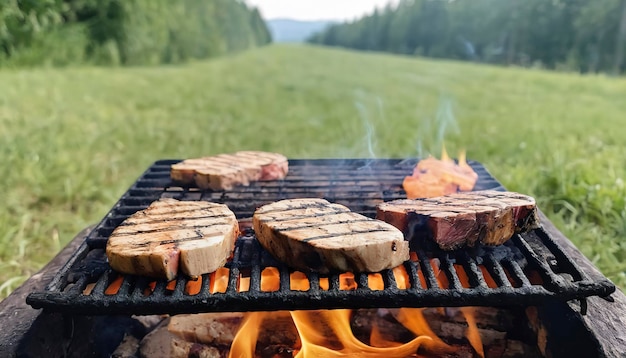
274	166
224	171
194	236
463	219
315	235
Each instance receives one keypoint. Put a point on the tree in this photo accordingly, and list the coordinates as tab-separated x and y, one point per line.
575	34
619	43
137	31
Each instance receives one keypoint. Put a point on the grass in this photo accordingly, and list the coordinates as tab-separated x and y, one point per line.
73	140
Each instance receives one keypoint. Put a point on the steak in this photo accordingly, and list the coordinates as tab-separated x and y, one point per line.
274	166
194	236
315	235
463	219
224	171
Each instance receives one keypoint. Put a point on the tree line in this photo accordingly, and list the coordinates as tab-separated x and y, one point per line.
583	35
127	32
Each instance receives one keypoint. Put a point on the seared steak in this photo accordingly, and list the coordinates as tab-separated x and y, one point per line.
315	235
194	236
224	171
463	219
274	166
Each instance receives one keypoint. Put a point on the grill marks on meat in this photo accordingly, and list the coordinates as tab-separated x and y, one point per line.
224	171
274	166
463	219
194	236
315	235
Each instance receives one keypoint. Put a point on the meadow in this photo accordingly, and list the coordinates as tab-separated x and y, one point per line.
73	140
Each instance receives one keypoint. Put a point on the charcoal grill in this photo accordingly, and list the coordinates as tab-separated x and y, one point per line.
529	269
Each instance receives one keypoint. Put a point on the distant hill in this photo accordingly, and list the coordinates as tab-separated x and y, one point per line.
287	30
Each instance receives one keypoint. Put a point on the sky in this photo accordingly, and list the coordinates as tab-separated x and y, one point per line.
316	9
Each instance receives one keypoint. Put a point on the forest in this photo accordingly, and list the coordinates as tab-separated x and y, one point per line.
124	32
573	35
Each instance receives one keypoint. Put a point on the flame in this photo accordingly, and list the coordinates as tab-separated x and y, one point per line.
472	334
244	342
327	333
314	340
270	279
432	177
219	280
413	319
299	282
377	339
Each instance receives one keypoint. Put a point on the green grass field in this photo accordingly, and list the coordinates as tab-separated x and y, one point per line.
73	140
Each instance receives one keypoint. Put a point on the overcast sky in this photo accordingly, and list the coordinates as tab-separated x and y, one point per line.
316	9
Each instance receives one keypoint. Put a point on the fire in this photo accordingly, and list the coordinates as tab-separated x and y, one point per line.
327	333
432	177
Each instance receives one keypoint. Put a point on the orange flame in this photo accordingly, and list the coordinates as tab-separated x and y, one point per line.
219	280
338	321
432	177
473	334
327	333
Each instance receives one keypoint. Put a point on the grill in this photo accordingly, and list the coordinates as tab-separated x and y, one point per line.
529	269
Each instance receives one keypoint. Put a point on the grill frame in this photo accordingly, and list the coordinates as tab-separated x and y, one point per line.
376	179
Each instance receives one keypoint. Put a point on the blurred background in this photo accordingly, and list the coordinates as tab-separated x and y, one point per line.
94	91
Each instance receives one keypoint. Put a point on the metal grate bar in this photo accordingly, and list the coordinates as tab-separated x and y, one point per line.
412	269
389	280
427	270
140	286
101	285
517	274
362	281
553	281
475	275
497	271
453	279
284	279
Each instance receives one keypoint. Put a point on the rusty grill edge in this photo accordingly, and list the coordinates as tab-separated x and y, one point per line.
357	183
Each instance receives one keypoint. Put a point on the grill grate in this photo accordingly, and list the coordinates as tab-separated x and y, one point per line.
527	270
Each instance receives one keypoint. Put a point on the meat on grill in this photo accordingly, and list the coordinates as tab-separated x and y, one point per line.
274	166
463	219
315	235
194	236
224	171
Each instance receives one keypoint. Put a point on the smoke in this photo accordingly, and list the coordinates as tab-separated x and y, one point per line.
445	120
368	121
432	131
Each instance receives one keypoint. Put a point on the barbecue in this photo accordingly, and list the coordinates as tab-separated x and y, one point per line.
530	270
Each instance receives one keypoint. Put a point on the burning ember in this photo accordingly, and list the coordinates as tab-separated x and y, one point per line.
328	333
432	177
